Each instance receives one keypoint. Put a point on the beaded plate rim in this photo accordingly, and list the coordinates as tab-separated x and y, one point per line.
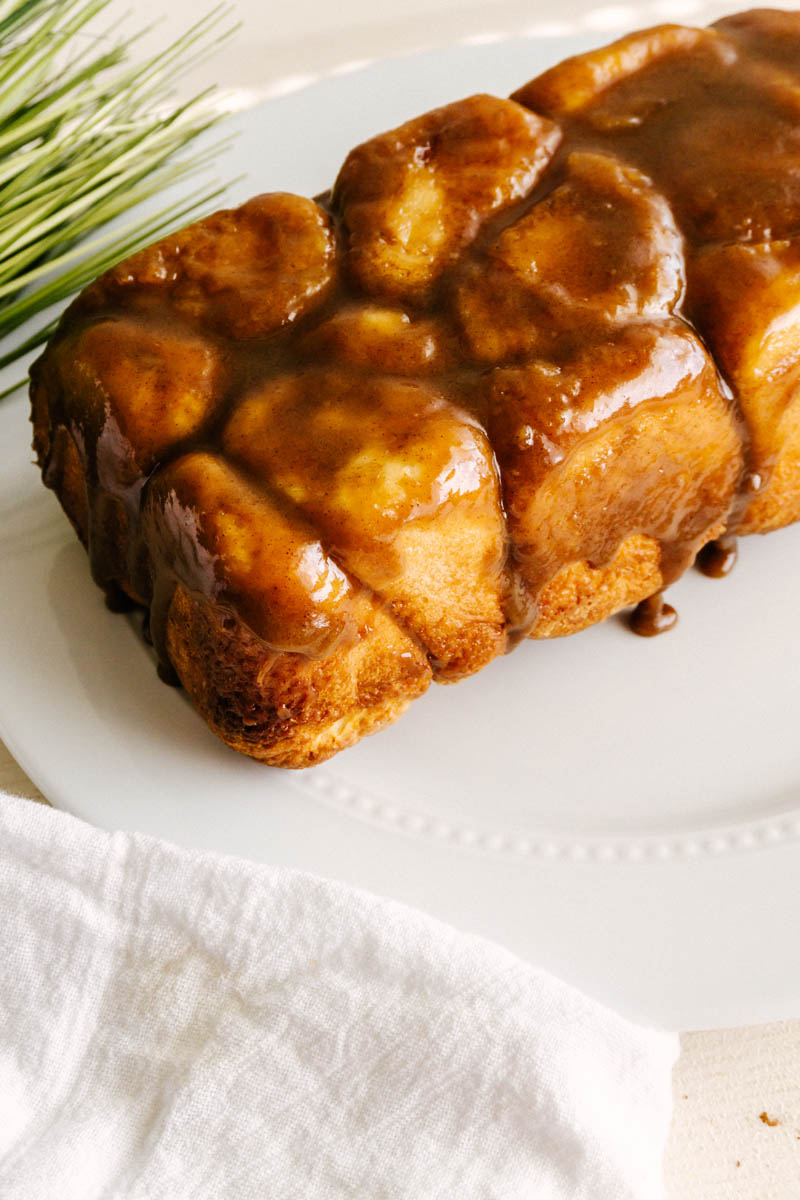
323	786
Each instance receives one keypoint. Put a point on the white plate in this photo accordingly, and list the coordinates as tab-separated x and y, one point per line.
623	812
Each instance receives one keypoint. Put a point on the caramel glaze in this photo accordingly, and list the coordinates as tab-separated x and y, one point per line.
501	321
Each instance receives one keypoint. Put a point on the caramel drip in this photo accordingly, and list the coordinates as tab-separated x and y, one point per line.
653	616
718	558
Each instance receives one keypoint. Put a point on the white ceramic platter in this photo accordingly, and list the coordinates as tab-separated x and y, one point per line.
623	812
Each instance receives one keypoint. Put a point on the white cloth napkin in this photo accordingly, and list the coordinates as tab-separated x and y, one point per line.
177	1025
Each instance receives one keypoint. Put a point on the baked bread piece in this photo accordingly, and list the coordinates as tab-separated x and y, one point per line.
525	360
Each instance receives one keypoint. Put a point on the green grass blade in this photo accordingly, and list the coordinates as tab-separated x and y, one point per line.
85	135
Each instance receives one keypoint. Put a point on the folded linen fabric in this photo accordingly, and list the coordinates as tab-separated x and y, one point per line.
176	1024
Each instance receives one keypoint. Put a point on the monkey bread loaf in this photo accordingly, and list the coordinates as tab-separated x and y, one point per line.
510	376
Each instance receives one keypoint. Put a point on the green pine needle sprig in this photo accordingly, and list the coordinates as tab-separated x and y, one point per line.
85	135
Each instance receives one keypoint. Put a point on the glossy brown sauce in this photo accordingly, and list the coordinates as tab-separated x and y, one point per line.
491	309
653	616
718	558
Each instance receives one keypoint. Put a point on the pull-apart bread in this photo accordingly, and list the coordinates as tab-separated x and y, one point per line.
508	377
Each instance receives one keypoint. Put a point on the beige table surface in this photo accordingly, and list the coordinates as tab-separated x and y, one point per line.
736	1128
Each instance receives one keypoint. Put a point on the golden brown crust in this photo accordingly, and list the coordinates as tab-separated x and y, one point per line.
285	709
581	595
282	708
